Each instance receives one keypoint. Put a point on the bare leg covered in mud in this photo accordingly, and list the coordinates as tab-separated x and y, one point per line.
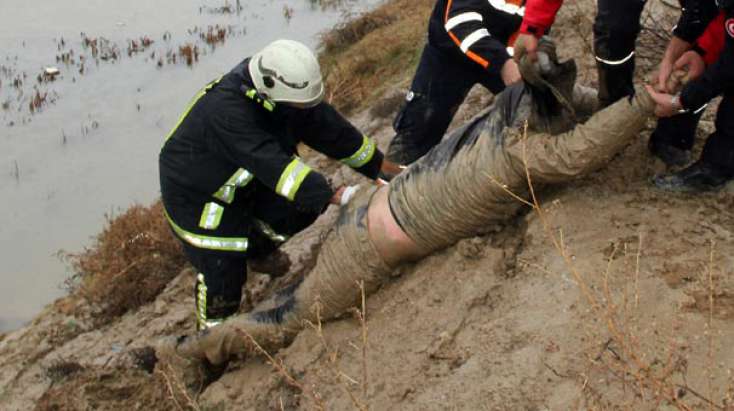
456	191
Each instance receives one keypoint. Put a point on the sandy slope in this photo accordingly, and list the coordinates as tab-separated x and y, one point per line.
495	322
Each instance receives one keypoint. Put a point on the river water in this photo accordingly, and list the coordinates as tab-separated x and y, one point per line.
89	145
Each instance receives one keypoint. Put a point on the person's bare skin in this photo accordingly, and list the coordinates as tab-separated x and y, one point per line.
390	240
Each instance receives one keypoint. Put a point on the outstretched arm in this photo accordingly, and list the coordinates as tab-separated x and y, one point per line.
588	147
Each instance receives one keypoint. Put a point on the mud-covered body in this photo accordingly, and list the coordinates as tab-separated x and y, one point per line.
456	191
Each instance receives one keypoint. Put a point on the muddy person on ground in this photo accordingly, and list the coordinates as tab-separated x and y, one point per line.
470	182
233	186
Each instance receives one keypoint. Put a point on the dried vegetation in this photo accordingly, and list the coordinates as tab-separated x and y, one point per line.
359	55
130	262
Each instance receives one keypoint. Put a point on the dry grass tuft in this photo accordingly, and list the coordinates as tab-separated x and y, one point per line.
359	55
61	369
130	262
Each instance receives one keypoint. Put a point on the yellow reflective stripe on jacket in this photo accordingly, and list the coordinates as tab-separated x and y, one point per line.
209	242
292	178
252	94
363	155
211	216
240	178
193	101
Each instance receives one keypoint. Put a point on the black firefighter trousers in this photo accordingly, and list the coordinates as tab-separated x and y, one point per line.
263	217
440	85
719	148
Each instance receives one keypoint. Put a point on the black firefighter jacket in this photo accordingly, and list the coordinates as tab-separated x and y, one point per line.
230	141
477	31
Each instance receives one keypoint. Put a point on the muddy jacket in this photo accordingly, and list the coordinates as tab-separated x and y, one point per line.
716	44
229	138
477	30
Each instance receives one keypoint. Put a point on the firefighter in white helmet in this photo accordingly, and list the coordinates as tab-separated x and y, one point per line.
232	183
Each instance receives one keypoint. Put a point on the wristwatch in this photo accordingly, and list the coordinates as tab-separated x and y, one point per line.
677	105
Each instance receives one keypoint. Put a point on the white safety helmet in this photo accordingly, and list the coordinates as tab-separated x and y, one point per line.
287	71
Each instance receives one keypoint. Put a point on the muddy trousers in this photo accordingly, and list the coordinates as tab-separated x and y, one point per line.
440	85
222	273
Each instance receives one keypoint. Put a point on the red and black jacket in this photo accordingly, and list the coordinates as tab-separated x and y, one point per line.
539	16
716	44
476	31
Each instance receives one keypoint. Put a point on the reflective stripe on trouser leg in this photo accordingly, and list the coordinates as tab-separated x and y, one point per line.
269	232
202	322
616	27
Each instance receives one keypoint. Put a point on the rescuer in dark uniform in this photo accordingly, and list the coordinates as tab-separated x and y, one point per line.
232	183
469	42
616	27
710	63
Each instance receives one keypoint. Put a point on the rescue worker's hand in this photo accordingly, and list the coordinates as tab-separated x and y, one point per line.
664	71
526	43
336	199
343	195
510	73
666	104
692	62
675	49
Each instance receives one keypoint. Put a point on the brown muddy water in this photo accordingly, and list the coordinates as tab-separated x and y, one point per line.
83	143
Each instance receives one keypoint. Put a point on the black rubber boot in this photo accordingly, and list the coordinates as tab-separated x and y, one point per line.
668	154
698	177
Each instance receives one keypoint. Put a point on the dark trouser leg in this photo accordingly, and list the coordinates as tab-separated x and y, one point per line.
219	281
439	87
276	220
673	138
719	148
716	166
677	131
616	27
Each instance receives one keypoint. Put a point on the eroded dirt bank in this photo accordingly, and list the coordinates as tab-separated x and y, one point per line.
631	308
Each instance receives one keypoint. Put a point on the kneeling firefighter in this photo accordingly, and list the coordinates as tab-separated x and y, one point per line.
457	190
232	183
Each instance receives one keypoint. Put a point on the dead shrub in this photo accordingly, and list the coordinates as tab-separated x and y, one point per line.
130	262
105	388
360	55
61	369
352	30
